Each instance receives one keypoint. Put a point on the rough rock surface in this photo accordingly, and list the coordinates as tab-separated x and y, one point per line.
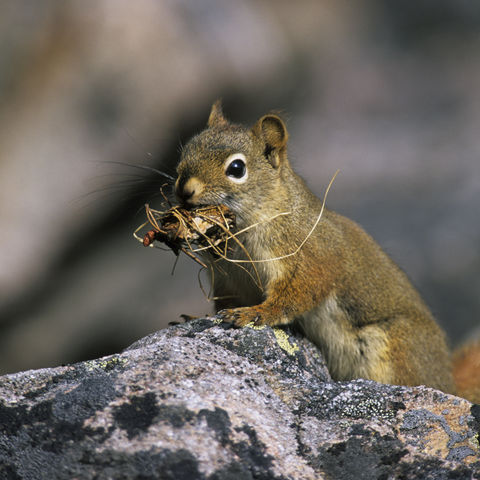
203	400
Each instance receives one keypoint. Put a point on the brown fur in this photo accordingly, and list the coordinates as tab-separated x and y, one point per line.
343	291
466	370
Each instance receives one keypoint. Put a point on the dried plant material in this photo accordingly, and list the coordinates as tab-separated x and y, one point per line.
149	238
190	231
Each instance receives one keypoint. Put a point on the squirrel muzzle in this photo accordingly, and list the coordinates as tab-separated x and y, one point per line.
188	190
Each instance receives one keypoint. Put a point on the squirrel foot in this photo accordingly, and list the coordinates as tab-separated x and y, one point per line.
240	317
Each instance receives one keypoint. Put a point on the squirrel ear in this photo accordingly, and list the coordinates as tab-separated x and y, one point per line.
271	129
216	118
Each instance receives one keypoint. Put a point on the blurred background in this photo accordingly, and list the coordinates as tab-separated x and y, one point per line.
387	92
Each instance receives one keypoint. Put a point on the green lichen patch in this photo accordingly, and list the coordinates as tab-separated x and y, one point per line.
106	364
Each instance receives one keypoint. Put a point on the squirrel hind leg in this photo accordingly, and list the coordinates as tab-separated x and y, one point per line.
420	356
466	371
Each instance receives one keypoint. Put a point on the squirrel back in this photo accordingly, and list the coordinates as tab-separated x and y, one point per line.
333	281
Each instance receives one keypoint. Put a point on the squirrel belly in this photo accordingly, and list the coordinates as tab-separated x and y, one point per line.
333	281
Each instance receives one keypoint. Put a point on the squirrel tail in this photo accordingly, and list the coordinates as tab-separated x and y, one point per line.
466	371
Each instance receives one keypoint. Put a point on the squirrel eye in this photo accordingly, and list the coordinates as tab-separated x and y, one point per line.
236	168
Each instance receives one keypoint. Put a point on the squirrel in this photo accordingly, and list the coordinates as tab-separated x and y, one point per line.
343	291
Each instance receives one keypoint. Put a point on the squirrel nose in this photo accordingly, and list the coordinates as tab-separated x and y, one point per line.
185	194
185	190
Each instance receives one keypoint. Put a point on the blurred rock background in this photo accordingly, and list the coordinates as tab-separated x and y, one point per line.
386	91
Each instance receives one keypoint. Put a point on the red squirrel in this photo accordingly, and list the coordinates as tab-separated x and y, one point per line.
340	287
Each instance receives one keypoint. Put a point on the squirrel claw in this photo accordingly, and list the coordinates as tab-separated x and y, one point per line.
240	317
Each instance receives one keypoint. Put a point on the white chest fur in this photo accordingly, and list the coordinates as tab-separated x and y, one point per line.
350	351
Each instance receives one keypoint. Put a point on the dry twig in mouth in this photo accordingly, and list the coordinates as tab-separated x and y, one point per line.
190	231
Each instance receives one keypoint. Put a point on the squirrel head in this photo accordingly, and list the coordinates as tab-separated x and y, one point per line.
232	165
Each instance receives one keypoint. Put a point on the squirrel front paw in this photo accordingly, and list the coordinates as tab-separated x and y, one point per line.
242	316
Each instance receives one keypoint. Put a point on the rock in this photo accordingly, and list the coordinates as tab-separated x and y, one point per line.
203	400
